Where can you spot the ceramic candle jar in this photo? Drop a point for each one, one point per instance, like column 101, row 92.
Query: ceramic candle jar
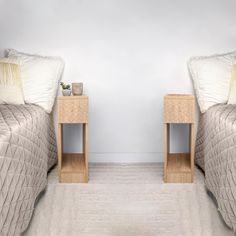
column 77, row 89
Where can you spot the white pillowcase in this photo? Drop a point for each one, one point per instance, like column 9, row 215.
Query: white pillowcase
column 211, row 78
column 40, row 77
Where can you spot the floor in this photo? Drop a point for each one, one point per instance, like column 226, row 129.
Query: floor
column 126, row 200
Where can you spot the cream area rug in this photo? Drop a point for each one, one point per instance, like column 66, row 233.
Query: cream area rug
column 126, row 200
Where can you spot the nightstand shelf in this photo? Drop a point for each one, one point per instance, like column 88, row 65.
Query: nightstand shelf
column 73, row 162
column 178, row 109
column 178, row 168
column 73, row 167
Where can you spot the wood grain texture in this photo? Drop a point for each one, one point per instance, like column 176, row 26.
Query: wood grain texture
column 192, row 148
column 72, row 109
column 178, row 162
column 73, row 168
column 166, row 148
column 179, row 168
column 73, row 162
column 179, row 108
column 60, row 147
column 85, row 149
column 73, row 177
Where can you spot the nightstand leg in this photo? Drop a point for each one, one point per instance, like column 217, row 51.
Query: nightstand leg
column 85, row 149
column 60, row 148
column 166, row 148
column 192, row 148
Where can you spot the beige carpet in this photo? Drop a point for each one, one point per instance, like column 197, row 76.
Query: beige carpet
column 126, row 200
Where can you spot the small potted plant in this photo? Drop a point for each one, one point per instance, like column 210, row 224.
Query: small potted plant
column 66, row 91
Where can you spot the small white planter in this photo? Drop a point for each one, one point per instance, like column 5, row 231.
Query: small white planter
column 66, row 92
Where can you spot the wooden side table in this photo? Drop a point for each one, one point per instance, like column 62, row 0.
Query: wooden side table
column 73, row 167
column 179, row 167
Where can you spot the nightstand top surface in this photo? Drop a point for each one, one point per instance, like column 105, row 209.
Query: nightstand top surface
column 179, row 96
column 72, row 97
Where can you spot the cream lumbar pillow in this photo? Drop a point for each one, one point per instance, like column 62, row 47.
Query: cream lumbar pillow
column 40, row 77
column 10, row 84
column 211, row 78
column 232, row 93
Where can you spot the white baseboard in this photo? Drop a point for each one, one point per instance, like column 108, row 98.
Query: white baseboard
column 126, row 157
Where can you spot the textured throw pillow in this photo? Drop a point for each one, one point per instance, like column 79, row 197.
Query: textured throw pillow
column 10, row 84
column 232, row 93
column 211, row 78
column 40, row 77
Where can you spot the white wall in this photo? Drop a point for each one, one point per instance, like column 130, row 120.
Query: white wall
column 128, row 53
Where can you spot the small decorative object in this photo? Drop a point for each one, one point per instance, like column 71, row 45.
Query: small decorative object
column 77, row 89
column 66, row 91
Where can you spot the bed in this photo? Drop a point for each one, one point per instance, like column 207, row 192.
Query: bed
column 216, row 155
column 27, row 152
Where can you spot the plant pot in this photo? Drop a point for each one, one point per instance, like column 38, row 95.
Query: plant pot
column 66, row 92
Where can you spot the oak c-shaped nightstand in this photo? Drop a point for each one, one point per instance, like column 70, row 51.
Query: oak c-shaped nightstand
column 73, row 167
column 179, row 109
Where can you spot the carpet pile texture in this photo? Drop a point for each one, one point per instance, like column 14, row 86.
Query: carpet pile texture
column 126, row 200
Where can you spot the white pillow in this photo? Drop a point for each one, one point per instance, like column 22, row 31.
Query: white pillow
column 211, row 78
column 40, row 77
column 10, row 83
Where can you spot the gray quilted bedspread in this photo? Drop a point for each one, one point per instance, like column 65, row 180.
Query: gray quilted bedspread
column 216, row 155
column 27, row 152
